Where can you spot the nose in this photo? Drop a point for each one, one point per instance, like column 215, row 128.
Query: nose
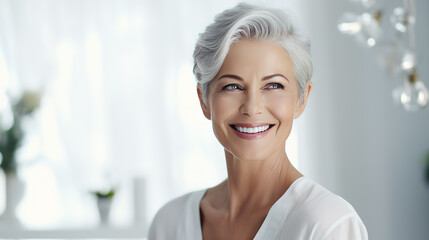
column 252, row 104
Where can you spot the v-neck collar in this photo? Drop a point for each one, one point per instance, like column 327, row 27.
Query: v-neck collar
column 270, row 223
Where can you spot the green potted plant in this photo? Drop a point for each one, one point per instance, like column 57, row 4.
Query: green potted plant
column 11, row 139
column 104, row 202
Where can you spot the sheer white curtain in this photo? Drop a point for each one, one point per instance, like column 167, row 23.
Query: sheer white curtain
column 119, row 102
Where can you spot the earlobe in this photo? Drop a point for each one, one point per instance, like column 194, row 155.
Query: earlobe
column 301, row 104
column 204, row 107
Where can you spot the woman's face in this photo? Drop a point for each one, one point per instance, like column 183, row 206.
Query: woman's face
column 253, row 100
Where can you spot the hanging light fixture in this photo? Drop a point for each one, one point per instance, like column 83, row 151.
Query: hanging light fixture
column 412, row 94
column 409, row 62
column 415, row 95
column 401, row 19
column 350, row 23
column 365, row 27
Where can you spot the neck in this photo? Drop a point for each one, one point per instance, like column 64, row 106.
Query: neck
column 257, row 184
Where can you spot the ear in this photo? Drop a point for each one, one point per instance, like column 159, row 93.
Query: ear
column 301, row 105
column 204, row 107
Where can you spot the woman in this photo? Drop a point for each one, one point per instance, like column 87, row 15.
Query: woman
column 253, row 74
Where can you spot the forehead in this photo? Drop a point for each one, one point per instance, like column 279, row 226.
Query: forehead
column 257, row 57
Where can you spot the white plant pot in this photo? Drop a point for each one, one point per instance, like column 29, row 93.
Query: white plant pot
column 15, row 189
column 104, row 205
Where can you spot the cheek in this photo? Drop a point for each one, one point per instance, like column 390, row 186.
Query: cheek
column 283, row 108
column 223, row 108
column 282, row 105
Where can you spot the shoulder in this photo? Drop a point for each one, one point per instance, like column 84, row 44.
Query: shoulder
column 323, row 213
column 316, row 202
column 166, row 221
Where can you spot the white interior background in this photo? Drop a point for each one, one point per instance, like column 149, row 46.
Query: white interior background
column 119, row 103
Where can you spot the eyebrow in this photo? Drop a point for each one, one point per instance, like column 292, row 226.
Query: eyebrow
column 263, row 79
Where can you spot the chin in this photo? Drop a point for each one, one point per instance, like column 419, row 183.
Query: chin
column 251, row 155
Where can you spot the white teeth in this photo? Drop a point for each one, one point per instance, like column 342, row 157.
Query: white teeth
column 252, row 130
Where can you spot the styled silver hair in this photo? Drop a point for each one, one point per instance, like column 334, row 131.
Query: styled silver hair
column 250, row 22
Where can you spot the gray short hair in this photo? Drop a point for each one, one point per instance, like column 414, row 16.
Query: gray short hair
column 250, row 22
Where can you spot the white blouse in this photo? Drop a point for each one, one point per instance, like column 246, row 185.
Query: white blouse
column 306, row 211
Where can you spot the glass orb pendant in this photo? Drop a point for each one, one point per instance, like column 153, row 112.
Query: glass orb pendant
column 413, row 95
column 401, row 19
column 365, row 27
column 349, row 23
column 408, row 62
column 371, row 31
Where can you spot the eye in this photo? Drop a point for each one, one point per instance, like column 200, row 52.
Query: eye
column 274, row 86
column 230, row 87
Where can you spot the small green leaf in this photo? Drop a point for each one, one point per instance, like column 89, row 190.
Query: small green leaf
column 101, row 194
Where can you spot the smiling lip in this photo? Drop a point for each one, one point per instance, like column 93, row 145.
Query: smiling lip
column 251, row 136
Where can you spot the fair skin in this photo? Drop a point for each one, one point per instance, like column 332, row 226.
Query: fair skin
column 255, row 87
